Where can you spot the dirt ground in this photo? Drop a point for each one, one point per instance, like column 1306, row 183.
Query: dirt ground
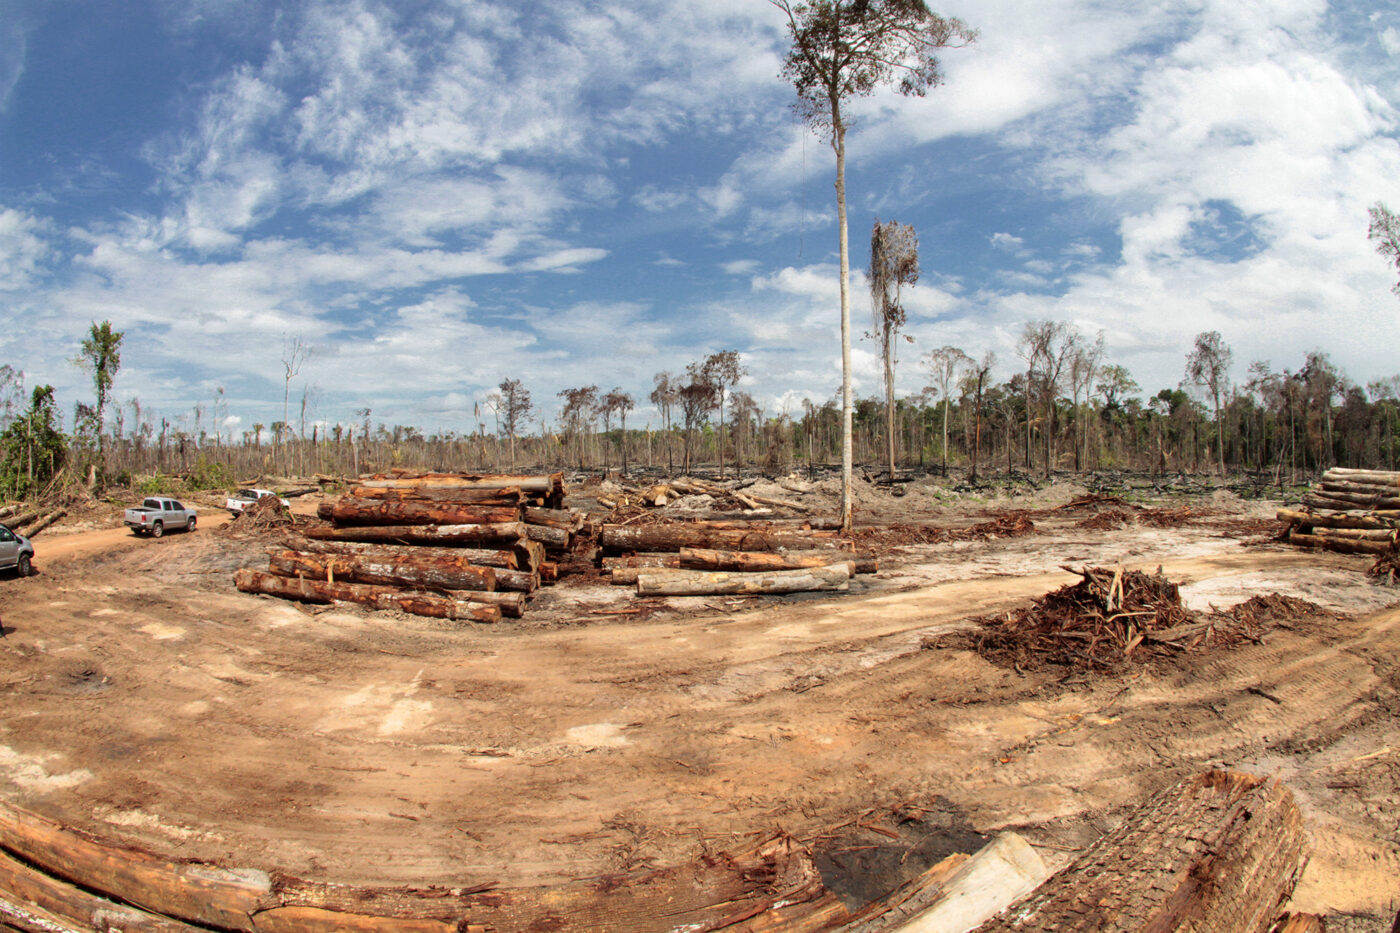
column 148, row 701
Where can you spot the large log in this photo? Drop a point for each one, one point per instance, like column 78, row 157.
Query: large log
column 508, row 533
column 511, row 604
column 536, row 484
column 1335, row 519
column 1360, row 489
column 376, row 597
column 405, row 569
column 610, row 564
column 1002, row 871
column 1325, row 498
column 703, row 583
column 29, row 897
column 477, row 557
column 351, row 511
column 1217, row 853
column 44, row 522
column 694, row 558
column 1371, row 477
column 518, row 581
column 1340, row 545
column 511, row 495
column 550, row 537
column 675, row 537
column 567, row 519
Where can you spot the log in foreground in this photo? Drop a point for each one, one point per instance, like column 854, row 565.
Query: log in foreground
column 721, row 583
column 405, row 569
column 365, row 594
column 1341, row 545
column 507, row 533
column 1338, row 519
column 1225, row 850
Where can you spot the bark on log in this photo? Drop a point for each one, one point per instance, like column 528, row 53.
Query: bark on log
column 1373, row 477
column 1351, row 500
column 675, row 537
column 1001, row 872
column 352, row 511
column 24, row 518
column 477, row 557
column 641, row 560
column 1340, row 545
column 376, row 597
column 1298, row 923
column 24, row 888
column 703, row 583
column 567, row 519
column 1217, row 853
column 1334, row 519
column 509, row 533
column 1359, row 489
column 511, row 604
column 695, row 558
column 407, row 569
column 44, row 522
column 193, row 892
column 536, row 484
column 550, row 537
column 529, row 555
column 518, row 581
column 511, row 495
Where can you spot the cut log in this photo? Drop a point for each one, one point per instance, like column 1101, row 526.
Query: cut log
column 1340, row 545
column 675, row 537
column 1002, row 871
column 567, row 519
column 511, row 495
column 296, row 491
column 44, row 522
column 518, row 581
column 1298, row 923
column 1351, row 500
column 1217, row 853
column 351, row 511
column 511, row 604
column 477, row 557
column 23, row 888
column 376, row 597
column 549, row 572
column 535, row 484
column 627, row 576
column 196, row 893
column 529, row 555
column 610, row 564
column 1335, row 519
column 24, row 518
column 703, row 583
column 695, row 558
column 508, row 533
column 407, row 569
column 555, row 538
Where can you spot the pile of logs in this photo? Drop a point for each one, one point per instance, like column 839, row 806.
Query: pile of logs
column 1351, row 511
column 29, row 522
column 729, row 558
column 447, row 545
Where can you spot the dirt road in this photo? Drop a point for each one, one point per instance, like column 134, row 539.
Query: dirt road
column 149, row 701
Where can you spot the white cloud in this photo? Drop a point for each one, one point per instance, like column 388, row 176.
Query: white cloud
column 1006, row 242
column 23, row 249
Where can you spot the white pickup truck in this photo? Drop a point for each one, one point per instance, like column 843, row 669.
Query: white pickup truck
column 243, row 498
column 156, row 516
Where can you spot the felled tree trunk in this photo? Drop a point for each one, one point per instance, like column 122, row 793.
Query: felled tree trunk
column 1217, row 853
column 675, row 537
column 477, row 557
column 512, row 495
column 351, row 511
column 1341, row 545
column 703, row 583
column 752, row 561
column 376, row 597
column 406, row 569
column 507, row 533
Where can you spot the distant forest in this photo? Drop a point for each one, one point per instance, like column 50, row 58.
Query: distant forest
column 1066, row 409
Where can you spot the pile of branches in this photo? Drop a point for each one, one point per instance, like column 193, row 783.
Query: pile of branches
column 259, row 517
column 1013, row 524
column 1112, row 617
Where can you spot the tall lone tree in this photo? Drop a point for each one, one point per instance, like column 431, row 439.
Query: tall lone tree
column 848, row 48
column 894, row 263
column 723, row 371
column 1208, row 365
column 515, row 408
column 1385, row 227
column 101, row 357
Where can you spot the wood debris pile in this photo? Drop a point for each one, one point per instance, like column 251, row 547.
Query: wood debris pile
column 1012, row 524
column 446, row 545
column 1350, row 511
column 1111, row 617
column 1111, row 512
column 742, row 557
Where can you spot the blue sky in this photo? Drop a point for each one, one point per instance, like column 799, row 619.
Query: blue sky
column 438, row 195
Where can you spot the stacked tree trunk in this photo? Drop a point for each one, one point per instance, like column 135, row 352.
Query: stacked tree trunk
column 447, row 545
column 29, row 522
column 1351, row 511
column 729, row 558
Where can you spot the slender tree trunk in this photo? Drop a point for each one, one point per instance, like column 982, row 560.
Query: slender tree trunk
column 889, row 401
column 838, row 140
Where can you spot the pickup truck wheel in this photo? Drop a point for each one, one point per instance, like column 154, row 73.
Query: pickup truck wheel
column 189, row 525
column 157, row 530
column 24, row 567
